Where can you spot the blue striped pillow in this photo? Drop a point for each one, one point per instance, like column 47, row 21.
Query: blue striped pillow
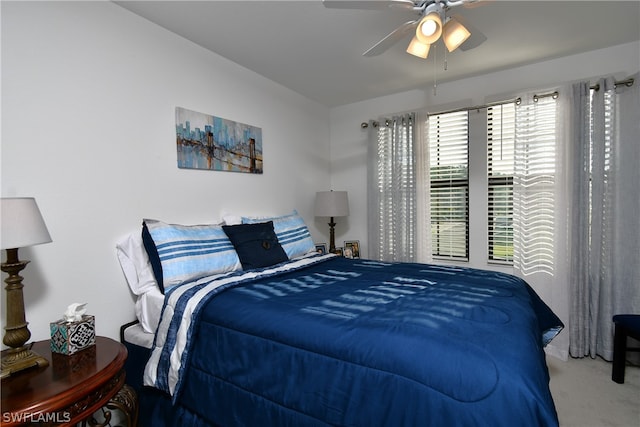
column 190, row 252
column 292, row 232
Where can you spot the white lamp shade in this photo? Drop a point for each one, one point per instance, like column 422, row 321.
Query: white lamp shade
column 416, row 48
column 429, row 29
column 21, row 223
column 332, row 203
column 454, row 34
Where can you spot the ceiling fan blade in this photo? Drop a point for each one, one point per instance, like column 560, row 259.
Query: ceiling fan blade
column 368, row 4
column 471, row 4
column 392, row 38
column 476, row 38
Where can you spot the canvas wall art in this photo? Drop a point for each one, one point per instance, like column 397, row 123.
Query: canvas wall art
column 213, row 143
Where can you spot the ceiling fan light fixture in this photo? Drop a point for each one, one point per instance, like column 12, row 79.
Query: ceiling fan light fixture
column 430, row 28
column 417, row 48
column 454, row 34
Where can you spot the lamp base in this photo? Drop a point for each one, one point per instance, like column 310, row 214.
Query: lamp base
column 332, row 236
column 21, row 358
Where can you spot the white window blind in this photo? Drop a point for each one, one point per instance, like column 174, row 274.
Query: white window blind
column 500, row 166
column 448, row 135
column 534, row 186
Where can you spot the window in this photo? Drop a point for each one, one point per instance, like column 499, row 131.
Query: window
column 521, row 152
column 500, row 165
column 448, row 135
column 519, row 190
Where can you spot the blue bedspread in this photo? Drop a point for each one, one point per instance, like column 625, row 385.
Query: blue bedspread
column 364, row 343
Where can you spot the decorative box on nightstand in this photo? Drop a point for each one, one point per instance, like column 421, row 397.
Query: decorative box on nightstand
column 70, row 337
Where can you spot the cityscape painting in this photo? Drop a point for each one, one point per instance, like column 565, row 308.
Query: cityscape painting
column 212, row 143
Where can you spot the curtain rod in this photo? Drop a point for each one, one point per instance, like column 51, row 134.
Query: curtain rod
column 628, row 83
column 553, row 95
column 479, row 107
column 365, row 125
column 375, row 123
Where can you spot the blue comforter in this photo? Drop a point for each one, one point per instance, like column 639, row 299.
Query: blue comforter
column 365, row 343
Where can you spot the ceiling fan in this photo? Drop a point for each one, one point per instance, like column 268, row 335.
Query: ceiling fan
column 432, row 23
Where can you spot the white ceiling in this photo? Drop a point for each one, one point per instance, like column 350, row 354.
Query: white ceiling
column 317, row 51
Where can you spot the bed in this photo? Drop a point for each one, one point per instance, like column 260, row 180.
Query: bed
column 312, row 339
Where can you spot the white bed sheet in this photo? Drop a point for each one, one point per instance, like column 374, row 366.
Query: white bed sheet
column 149, row 308
column 135, row 334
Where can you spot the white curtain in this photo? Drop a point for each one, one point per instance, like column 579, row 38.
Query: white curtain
column 539, row 195
column 604, row 243
column 398, row 203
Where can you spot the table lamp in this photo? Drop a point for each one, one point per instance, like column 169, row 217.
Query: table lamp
column 332, row 204
column 21, row 225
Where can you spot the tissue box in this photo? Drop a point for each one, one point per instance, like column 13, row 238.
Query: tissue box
column 71, row 337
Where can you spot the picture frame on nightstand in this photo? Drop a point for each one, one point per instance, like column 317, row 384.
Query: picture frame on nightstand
column 321, row 248
column 352, row 248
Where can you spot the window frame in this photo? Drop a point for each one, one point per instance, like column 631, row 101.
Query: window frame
column 438, row 243
column 499, row 181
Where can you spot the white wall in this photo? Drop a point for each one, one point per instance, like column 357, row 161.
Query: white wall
column 89, row 92
column 349, row 140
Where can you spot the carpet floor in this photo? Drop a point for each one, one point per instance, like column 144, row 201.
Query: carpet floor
column 585, row 395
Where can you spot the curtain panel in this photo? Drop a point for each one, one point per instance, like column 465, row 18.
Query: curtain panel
column 605, row 231
column 539, row 206
column 397, row 205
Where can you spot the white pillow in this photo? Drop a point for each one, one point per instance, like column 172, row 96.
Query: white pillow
column 135, row 264
column 232, row 219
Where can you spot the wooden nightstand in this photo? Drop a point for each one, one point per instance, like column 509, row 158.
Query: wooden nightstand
column 71, row 388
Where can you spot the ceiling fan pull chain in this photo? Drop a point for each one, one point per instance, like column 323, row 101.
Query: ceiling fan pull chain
column 445, row 50
column 435, row 71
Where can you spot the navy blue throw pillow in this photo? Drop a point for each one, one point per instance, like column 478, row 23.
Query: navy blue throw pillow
column 154, row 258
column 256, row 244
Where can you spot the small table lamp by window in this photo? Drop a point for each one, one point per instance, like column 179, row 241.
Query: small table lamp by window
column 22, row 225
column 332, row 204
